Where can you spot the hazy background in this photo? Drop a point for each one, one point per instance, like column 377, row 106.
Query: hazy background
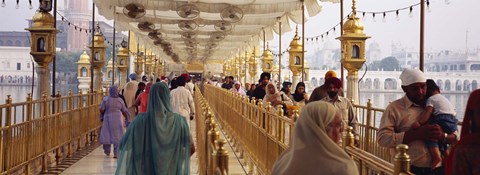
column 446, row 24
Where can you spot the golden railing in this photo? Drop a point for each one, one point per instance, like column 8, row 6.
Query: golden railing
column 212, row 155
column 40, row 130
column 262, row 134
column 368, row 124
column 370, row 164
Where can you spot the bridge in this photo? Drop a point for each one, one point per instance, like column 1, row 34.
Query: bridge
column 233, row 135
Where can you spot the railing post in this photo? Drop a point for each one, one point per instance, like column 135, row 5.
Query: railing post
column 295, row 115
column 213, row 135
column 367, row 140
column 348, row 137
column 220, row 157
column 402, row 160
column 70, row 121
column 266, row 118
column 45, row 132
column 29, row 134
column 57, row 128
column 278, row 122
column 8, row 135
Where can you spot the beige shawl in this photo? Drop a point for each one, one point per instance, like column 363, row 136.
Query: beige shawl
column 312, row 151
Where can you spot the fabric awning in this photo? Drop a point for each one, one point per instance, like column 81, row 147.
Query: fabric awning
column 207, row 42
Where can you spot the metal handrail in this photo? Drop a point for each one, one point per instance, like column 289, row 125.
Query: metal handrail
column 32, row 132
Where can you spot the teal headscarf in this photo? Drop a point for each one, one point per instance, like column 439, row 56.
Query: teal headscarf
column 156, row 142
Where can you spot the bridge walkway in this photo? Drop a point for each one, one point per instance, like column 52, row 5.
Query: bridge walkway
column 98, row 163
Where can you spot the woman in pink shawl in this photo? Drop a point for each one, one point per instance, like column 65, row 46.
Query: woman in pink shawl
column 465, row 156
column 142, row 99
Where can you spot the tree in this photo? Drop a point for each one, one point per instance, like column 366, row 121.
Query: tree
column 389, row 64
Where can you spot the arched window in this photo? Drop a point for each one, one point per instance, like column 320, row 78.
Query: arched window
column 1, row 43
column 9, row 43
column 41, row 44
column 110, row 74
column 355, row 51
column 122, row 61
column 267, row 66
column 297, row 60
column 97, row 56
column 84, row 72
column 18, row 43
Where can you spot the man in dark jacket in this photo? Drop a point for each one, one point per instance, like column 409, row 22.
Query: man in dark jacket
column 259, row 92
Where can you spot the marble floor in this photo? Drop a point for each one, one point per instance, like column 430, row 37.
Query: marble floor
column 98, row 163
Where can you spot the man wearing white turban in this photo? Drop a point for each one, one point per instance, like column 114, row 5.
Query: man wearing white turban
column 315, row 149
column 395, row 126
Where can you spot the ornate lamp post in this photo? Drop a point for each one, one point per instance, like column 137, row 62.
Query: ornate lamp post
column 353, row 52
column 295, row 58
column 252, row 67
column 83, row 74
column 43, row 37
column 138, row 62
column 98, row 58
column 267, row 61
column 109, row 78
column 122, row 63
column 148, row 66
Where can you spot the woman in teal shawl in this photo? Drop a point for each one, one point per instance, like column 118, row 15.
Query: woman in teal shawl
column 156, row 142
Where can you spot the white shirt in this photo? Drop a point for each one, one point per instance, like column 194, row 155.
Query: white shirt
column 440, row 105
column 182, row 102
column 190, row 86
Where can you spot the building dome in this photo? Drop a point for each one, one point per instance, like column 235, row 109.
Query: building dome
column 84, row 58
column 295, row 44
column 353, row 25
column 42, row 20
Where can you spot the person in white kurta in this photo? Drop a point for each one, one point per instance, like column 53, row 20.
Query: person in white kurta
column 129, row 91
column 182, row 100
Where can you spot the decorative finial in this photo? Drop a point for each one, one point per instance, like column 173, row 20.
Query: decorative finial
column 98, row 28
column 296, row 30
column 354, row 11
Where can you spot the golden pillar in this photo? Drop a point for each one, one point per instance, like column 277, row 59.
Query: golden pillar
column 148, row 66
column 83, row 73
column 295, row 58
column 267, row 61
column 353, row 52
column 252, row 62
column 122, row 64
column 98, row 55
column 43, row 37
column 109, row 78
column 138, row 62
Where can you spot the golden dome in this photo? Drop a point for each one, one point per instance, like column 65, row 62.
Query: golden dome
column 295, row 44
column 122, row 52
column 42, row 20
column 353, row 25
column 267, row 54
column 276, row 67
column 84, row 58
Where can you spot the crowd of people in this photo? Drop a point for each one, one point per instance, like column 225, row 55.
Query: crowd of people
column 158, row 139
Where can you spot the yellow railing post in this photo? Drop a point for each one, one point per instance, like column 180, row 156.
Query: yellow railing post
column 8, row 135
column 29, row 134
column 295, row 115
column 368, row 127
column 70, row 121
column 213, row 135
column 220, row 157
column 45, row 132
column 278, row 122
column 348, row 137
column 57, row 128
column 402, row 160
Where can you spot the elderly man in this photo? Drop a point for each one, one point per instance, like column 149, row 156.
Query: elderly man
column 332, row 86
column 395, row 127
column 321, row 91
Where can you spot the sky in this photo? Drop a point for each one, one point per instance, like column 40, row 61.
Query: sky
column 446, row 24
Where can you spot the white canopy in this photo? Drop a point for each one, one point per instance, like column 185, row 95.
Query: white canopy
column 222, row 29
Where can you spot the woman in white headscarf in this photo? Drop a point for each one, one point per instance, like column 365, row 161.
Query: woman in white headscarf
column 275, row 97
column 315, row 149
column 237, row 88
